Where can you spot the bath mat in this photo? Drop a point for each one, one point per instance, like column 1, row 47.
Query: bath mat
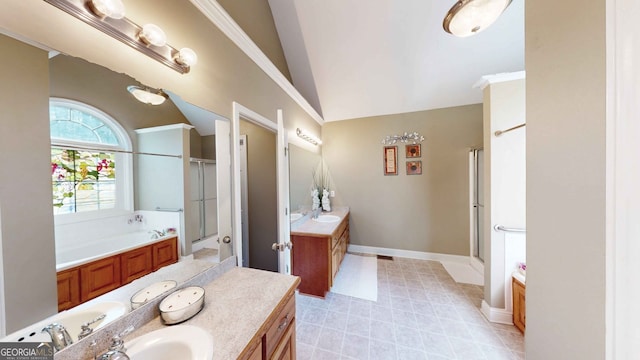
column 463, row 273
column 357, row 277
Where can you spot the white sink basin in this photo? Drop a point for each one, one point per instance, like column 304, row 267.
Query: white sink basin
column 327, row 218
column 295, row 216
column 71, row 320
column 184, row 342
column 74, row 318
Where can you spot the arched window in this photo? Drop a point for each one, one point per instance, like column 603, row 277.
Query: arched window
column 90, row 159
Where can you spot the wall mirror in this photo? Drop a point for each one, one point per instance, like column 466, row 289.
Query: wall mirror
column 87, row 83
column 303, row 163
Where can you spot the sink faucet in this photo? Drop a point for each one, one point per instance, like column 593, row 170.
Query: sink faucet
column 156, row 234
column 59, row 336
column 316, row 213
column 86, row 330
column 117, row 350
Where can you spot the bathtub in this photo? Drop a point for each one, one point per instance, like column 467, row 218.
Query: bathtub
column 89, row 251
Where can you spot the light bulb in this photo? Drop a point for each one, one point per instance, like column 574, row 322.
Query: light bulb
column 148, row 97
column 153, row 35
column 467, row 18
column 107, row 8
column 186, row 57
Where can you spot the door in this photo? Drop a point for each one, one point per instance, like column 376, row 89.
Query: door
column 223, row 179
column 284, row 225
column 244, row 207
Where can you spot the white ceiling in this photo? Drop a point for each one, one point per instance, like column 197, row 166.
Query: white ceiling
column 355, row 58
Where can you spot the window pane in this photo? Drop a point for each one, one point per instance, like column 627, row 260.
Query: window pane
column 106, row 136
column 72, row 131
column 82, row 180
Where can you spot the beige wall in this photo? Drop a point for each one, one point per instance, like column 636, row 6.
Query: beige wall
column 255, row 19
column 427, row 213
column 28, row 261
column 262, row 195
column 566, row 168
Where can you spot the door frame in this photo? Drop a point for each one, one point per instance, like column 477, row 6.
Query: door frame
column 242, row 112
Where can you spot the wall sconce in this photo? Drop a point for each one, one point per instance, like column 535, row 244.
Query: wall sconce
column 108, row 17
column 147, row 95
column 407, row 137
column 469, row 17
column 303, row 134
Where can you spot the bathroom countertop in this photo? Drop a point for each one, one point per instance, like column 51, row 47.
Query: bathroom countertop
column 237, row 305
column 309, row 227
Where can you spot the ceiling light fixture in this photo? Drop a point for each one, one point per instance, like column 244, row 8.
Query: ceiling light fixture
column 469, row 17
column 108, row 17
column 303, row 134
column 148, row 95
column 413, row 137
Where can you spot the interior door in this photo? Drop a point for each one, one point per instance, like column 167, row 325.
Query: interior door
column 284, row 225
column 223, row 179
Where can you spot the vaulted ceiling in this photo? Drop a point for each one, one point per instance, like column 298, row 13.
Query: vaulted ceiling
column 354, row 58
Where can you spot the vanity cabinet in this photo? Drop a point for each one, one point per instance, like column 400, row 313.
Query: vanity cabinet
column 278, row 341
column 519, row 308
column 316, row 258
column 85, row 282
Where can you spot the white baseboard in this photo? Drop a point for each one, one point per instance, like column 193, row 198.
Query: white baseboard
column 408, row 254
column 496, row 315
column 476, row 264
column 210, row 243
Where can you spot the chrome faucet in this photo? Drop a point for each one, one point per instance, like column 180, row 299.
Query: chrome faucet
column 86, row 330
column 59, row 336
column 156, row 234
column 117, row 350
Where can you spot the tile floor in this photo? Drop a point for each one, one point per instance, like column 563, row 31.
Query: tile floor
column 421, row 313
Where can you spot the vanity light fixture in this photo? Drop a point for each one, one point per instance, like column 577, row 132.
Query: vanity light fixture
column 108, row 17
column 303, row 134
column 413, row 138
column 148, row 95
column 469, row 17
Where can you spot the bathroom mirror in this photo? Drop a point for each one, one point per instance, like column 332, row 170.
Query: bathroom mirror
column 76, row 79
column 302, row 165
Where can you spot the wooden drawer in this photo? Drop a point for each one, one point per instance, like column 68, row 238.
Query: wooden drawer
column 279, row 328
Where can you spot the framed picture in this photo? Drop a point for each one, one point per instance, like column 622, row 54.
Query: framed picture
column 391, row 160
column 413, row 151
column 414, row 167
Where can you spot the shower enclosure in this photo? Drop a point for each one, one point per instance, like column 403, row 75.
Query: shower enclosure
column 203, row 201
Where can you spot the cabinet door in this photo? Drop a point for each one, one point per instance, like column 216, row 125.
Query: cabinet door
column 136, row 263
column 165, row 253
column 336, row 257
column 519, row 307
column 286, row 349
column 99, row 277
column 68, row 289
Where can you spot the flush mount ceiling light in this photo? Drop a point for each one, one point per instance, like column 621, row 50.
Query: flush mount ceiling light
column 147, row 95
column 469, row 17
column 108, row 17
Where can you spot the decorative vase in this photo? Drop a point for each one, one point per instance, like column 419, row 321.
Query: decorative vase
column 315, row 199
